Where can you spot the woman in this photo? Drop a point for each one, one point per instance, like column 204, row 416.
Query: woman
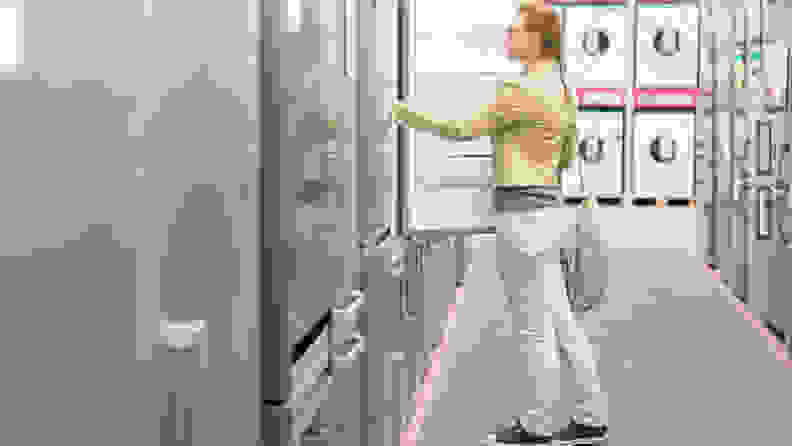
column 532, row 125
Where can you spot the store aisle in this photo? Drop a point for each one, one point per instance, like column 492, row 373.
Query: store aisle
column 678, row 361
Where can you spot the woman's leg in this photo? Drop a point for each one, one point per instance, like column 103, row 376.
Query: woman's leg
column 472, row 379
column 529, row 265
column 480, row 374
column 576, row 344
column 592, row 408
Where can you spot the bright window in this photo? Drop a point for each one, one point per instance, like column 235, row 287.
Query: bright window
column 11, row 34
column 462, row 36
column 8, row 36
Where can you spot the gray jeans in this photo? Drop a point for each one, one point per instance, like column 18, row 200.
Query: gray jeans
column 531, row 234
column 500, row 357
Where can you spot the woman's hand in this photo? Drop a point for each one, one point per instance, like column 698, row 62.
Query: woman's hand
column 459, row 130
column 398, row 110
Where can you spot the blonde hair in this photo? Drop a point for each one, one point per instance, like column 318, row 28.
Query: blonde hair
column 546, row 22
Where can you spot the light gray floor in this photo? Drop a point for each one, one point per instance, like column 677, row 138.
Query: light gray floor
column 677, row 360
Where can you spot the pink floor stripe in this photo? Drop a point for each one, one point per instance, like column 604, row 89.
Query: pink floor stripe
column 410, row 437
column 779, row 348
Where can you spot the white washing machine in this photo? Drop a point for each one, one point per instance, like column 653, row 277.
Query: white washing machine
column 597, row 170
column 663, row 155
column 667, row 46
column 597, row 45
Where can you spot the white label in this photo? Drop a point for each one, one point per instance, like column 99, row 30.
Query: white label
column 602, row 98
column 665, row 99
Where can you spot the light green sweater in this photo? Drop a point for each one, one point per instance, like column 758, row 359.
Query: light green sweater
column 520, row 171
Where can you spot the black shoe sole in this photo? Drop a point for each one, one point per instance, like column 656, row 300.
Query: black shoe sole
column 523, row 442
column 583, row 441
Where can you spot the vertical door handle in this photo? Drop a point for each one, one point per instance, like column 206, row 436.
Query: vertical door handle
column 764, row 203
column 764, row 141
column 404, row 40
column 405, row 31
column 414, row 254
column 420, row 253
column 402, row 179
column 350, row 38
column 404, row 296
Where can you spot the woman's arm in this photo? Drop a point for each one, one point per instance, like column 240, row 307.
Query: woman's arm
column 568, row 134
column 484, row 123
column 510, row 108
